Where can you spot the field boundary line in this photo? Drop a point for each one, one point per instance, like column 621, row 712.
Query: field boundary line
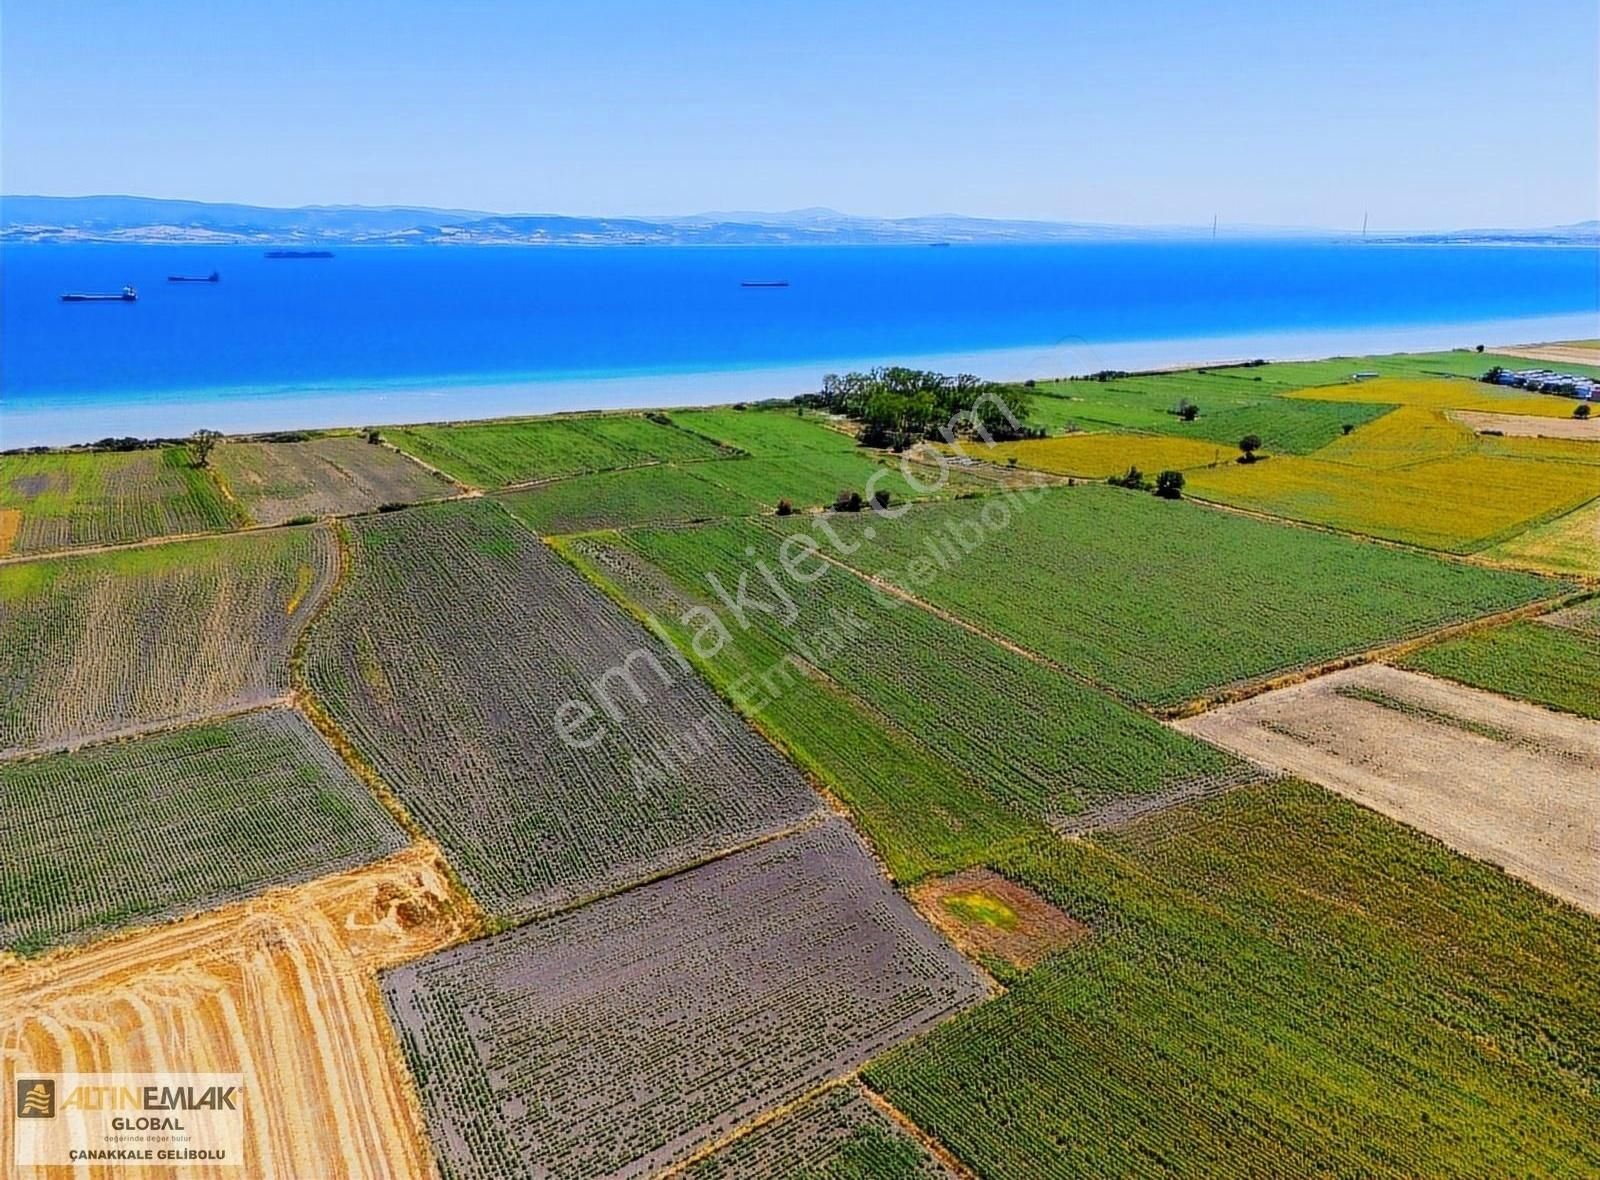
column 904, row 1121
column 465, row 489
column 1244, row 690
column 765, row 1119
column 128, row 733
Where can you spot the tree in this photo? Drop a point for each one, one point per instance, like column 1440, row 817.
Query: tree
column 1581, row 410
column 1133, row 478
column 880, row 499
column 374, row 436
column 847, row 501
column 1169, row 485
column 1347, row 427
column 785, row 508
column 1250, row 444
column 200, row 444
column 1187, row 410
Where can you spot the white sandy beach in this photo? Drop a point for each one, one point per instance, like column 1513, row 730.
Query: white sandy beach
column 179, row 413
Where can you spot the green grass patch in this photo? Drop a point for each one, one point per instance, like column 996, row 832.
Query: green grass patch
column 661, row 494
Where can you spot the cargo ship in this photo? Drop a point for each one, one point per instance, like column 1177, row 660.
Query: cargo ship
column 299, row 254
column 213, row 277
column 128, row 295
column 765, row 283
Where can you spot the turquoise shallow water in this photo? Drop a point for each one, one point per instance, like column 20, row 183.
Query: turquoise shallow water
column 384, row 333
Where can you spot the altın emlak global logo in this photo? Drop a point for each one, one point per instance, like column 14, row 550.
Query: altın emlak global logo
column 175, row 1119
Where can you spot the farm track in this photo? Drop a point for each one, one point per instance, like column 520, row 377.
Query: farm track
column 129, row 732
column 280, row 988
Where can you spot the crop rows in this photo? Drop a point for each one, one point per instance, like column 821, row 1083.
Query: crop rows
column 446, row 657
column 1569, row 544
column 615, row 1039
column 494, row 454
column 120, row 639
column 1164, row 601
column 1021, row 733
column 1279, row 983
column 335, row 475
column 64, row 499
column 660, row 494
column 175, row 822
column 766, row 433
column 837, row 1135
column 1555, row 666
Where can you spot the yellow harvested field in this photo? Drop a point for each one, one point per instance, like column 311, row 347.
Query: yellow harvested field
column 1441, row 394
column 1532, row 426
column 1401, row 438
column 1416, row 476
column 280, row 989
column 1569, row 544
column 10, row 526
column 1460, row 505
column 1097, row 456
column 1569, row 352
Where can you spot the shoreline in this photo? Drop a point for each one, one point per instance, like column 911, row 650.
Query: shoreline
column 174, row 414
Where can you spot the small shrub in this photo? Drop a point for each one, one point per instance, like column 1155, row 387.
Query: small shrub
column 374, row 437
column 1347, row 427
column 1187, row 410
column 303, row 518
column 847, row 501
column 1169, row 485
column 880, row 499
column 785, row 508
column 1132, row 478
column 1581, row 410
column 393, row 506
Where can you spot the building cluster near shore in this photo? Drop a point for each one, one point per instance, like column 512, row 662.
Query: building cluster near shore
column 1546, row 381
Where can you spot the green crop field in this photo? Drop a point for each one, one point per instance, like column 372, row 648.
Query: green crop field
column 1007, row 737
column 1165, row 601
column 765, row 432
column 814, row 479
column 660, row 494
column 63, row 499
column 134, row 831
column 1278, row 983
column 495, row 454
column 105, row 641
column 1535, row 661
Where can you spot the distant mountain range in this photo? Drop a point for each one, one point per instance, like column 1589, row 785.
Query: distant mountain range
column 148, row 219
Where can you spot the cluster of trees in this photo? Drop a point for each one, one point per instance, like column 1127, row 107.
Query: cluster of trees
column 898, row 406
column 1168, row 484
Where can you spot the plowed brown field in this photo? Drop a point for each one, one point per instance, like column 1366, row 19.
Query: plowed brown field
column 279, row 989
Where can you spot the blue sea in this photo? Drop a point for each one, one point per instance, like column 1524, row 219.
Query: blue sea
column 387, row 334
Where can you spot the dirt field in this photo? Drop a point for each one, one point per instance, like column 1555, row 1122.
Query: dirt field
column 1577, row 352
column 1508, row 782
column 983, row 913
column 1531, row 426
column 279, row 989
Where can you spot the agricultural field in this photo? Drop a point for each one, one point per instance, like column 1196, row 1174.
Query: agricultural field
column 1568, row 544
column 619, row 1038
column 108, row 642
column 1494, row 778
column 766, row 433
column 133, row 832
column 838, row 1135
column 1004, row 743
column 498, row 454
column 1232, row 403
column 1533, row 660
column 1531, row 426
column 1279, row 983
column 329, row 476
column 661, row 494
column 67, row 499
column 1162, row 602
column 280, row 989
column 1096, row 456
column 1443, row 395
column 454, row 644
column 993, row 919
column 809, row 481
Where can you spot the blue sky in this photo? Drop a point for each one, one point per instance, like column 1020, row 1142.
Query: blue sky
column 1424, row 114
